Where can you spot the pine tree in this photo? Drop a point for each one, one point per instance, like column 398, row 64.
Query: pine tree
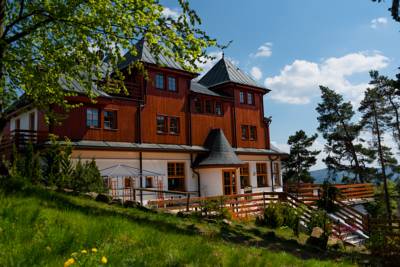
column 391, row 95
column 376, row 118
column 335, row 124
column 301, row 158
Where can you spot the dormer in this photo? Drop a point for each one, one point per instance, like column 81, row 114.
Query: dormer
column 224, row 77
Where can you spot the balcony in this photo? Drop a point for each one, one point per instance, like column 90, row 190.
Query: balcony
column 20, row 139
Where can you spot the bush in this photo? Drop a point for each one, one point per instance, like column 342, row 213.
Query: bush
column 281, row 214
column 214, row 209
column 86, row 178
column 329, row 194
column 319, row 218
column 103, row 198
column 273, row 216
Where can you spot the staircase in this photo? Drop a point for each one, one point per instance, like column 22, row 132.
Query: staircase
column 349, row 225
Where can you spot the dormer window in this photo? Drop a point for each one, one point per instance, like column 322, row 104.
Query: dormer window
column 197, row 106
column 160, row 81
column 92, row 118
column 218, row 109
column 172, row 84
column 208, row 108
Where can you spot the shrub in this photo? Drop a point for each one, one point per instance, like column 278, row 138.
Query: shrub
column 86, row 178
column 273, row 216
column 214, row 208
column 319, row 218
column 103, row 198
column 327, row 200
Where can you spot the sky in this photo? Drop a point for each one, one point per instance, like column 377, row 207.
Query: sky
column 293, row 46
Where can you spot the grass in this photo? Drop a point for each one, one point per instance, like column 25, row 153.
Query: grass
column 41, row 228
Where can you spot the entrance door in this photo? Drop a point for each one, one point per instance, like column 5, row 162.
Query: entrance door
column 229, row 182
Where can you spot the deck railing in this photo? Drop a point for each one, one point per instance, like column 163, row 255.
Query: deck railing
column 20, row 139
column 310, row 193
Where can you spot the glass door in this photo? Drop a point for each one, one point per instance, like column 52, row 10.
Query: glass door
column 229, row 182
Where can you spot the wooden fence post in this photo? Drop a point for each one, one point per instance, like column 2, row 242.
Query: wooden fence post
column 187, row 202
column 264, row 199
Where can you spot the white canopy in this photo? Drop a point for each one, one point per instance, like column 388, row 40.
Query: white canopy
column 126, row 170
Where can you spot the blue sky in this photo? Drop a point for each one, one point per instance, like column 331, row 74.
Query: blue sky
column 292, row 46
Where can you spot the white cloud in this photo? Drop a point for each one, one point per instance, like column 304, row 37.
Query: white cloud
column 265, row 50
column 299, row 82
column 170, row 13
column 375, row 23
column 256, row 73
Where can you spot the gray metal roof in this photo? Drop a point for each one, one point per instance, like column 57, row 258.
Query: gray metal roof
column 144, row 54
column 201, row 89
column 126, row 170
column 221, row 153
column 225, row 71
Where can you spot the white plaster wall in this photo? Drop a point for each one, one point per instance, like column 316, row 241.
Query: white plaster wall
column 155, row 162
column 24, row 120
column 211, row 182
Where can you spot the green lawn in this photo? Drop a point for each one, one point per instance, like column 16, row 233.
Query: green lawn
column 40, row 228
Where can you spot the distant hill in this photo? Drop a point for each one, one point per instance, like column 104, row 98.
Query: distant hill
column 321, row 175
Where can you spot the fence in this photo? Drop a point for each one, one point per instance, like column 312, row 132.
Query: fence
column 310, row 193
column 20, row 139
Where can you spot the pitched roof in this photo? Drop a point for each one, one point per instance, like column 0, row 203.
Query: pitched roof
column 221, row 153
column 201, row 89
column 225, row 71
column 144, row 54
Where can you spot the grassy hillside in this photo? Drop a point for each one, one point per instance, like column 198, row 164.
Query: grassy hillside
column 39, row 228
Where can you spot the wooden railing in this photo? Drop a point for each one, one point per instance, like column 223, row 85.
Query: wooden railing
column 20, row 139
column 310, row 193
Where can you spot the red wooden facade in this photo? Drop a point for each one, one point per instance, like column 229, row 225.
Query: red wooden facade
column 188, row 115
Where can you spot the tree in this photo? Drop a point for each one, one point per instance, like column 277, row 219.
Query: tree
column 376, row 118
column 301, row 158
column 335, row 124
column 43, row 42
column 391, row 99
column 394, row 9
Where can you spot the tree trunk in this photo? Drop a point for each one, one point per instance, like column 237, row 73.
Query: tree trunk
column 397, row 118
column 382, row 162
column 352, row 150
column 2, row 78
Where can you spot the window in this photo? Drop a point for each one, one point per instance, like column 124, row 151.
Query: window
column 208, row 108
column 253, row 133
column 176, row 176
column 128, row 182
column 172, row 84
column 244, row 176
column 197, row 106
column 262, row 175
column 173, row 125
column 159, row 81
column 241, row 97
column 245, row 132
column 218, row 108
column 149, row 182
column 110, row 119
column 32, row 121
column 276, row 174
column 92, row 118
column 162, row 124
column 250, row 99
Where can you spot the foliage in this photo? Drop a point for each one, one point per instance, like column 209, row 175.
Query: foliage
column 86, row 177
column 57, row 163
column 384, row 243
column 344, row 152
column 301, row 158
column 319, row 218
column 329, row 194
column 215, row 208
column 375, row 118
column 377, row 208
column 281, row 214
column 45, row 42
column 394, row 9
